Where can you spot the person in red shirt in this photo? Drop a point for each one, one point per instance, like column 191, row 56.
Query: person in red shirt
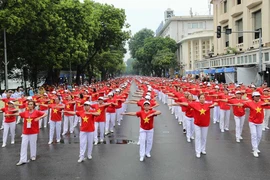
column 255, row 119
column 201, row 112
column 9, row 122
column 42, row 102
column 146, row 128
column 87, row 130
column 30, row 132
column 55, row 120
column 79, row 107
column 110, row 114
column 239, row 114
column 266, row 98
column 21, row 101
column 68, row 118
column 224, row 110
column 119, row 99
column 100, row 120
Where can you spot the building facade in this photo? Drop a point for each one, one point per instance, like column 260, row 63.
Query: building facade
column 240, row 50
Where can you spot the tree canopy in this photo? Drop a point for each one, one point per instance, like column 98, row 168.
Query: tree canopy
column 51, row 35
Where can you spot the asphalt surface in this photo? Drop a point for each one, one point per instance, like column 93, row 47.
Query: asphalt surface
column 118, row 159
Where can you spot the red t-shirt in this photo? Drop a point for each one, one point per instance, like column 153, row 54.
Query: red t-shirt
column 146, row 123
column 56, row 113
column 238, row 111
column 6, row 100
column 42, row 101
column 30, row 118
column 79, row 104
column 110, row 108
column 101, row 110
column 256, row 111
column 22, row 101
column 87, row 122
column 9, row 119
column 68, row 107
column 224, row 105
column 201, row 113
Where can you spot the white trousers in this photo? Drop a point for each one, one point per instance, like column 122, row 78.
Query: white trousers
column 184, row 120
column 200, row 138
column 71, row 126
column 190, row 127
column 146, row 141
column 18, row 117
column 86, row 140
column 224, row 119
column 101, row 127
column 266, row 118
column 8, row 126
column 180, row 114
column 76, row 120
column 176, row 111
column 32, row 139
column 256, row 134
column 118, row 114
column 44, row 119
column 216, row 114
column 239, row 123
column 110, row 121
column 55, row 125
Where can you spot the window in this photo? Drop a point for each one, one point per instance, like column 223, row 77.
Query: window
column 257, row 17
column 225, row 6
column 254, row 58
column 239, row 26
column 194, row 25
column 266, row 56
column 238, row 2
column 189, row 26
column 226, row 37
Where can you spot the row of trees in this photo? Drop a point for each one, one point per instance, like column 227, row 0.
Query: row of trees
column 151, row 55
column 52, row 35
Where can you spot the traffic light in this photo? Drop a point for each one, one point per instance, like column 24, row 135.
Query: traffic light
column 218, row 31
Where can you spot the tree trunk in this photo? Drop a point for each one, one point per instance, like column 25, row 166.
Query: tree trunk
column 78, row 73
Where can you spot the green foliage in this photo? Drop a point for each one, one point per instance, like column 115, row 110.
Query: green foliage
column 51, row 34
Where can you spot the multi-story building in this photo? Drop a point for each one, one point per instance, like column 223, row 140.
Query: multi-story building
column 192, row 34
column 240, row 50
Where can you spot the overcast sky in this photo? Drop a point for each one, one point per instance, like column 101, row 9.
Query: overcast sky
column 149, row 13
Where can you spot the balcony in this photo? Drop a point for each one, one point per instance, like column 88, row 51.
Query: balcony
column 253, row 3
column 237, row 10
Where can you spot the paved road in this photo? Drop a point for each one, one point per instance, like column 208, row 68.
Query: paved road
column 172, row 157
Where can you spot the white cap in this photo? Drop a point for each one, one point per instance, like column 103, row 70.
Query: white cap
column 237, row 86
column 252, row 86
column 45, row 94
column 117, row 90
column 256, row 94
column 201, row 84
column 217, row 87
column 66, row 90
column 241, row 83
column 238, row 92
column 204, row 82
column 147, row 97
column 100, row 98
column 148, row 93
column 87, row 103
column 10, row 102
column 146, row 102
column 54, row 92
column 110, row 94
column 29, row 98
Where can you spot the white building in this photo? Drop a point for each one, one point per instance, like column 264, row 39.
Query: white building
column 240, row 50
column 193, row 34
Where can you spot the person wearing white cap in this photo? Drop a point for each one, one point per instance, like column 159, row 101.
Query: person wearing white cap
column 100, row 120
column 21, row 102
column 68, row 118
column 216, row 114
column 86, row 130
column 224, row 110
column 43, row 106
column 146, row 128
column 119, row 99
column 9, row 122
column 256, row 117
column 239, row 114
column 266, row 98
column 110, row 114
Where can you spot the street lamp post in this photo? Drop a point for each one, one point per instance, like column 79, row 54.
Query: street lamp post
column 5, row 63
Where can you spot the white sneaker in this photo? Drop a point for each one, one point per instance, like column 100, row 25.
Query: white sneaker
column 138, row 143
column 188, row 140
column 198, row 155
column 119, row 124
column 20, row 163
column 63, row 134
column 263, row 129
column 192, row 137
column 258, row 151
column 148, row 155
column 102, row 140
column 58, row 141
column 2, row 127
column 71, row 132
column 12, row 142
column 226, row 129
column 111, row 131
column 204, row 152
column 215, row 122
column 33, row 158
column 222, row 130
column 50, row 142
column 106, row 133
column 4, row 145
column 80, row 160
column 255, row 154
column 238, row 140
column 180, row 123
column 141, row 159
column 96, row 143
column 241, row 137
column 89, row 157
column 267, row 127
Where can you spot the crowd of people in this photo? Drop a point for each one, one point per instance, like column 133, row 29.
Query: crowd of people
column 99, row 107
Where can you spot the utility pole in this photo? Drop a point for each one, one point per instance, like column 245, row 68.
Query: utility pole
column 5, row 63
